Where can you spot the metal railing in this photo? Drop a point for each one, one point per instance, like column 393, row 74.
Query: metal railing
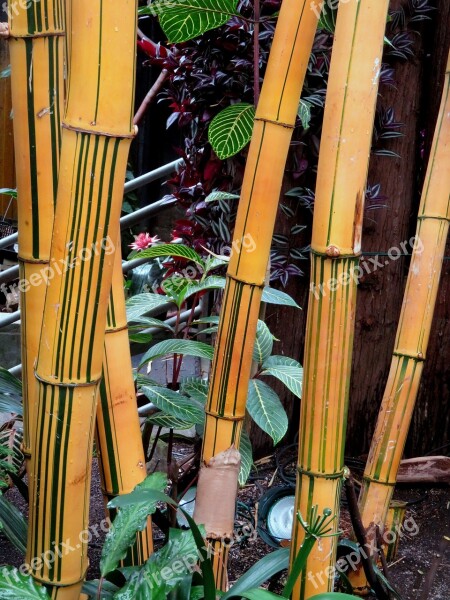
column 12, row 273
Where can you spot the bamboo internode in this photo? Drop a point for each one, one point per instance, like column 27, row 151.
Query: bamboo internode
column 336, row 245
column 97, row 132
column 413, row 331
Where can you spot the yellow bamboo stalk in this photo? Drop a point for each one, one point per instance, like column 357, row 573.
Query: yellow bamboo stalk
column 336, row 246
column 97, row 131
column 413, row 331
column 275, row 119
column 118, row 433
column 7, row 174
column 36, row 50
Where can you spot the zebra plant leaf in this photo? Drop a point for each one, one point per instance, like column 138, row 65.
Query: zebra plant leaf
column 217, row 196
column 180, row 347
column 265, row 408
column 10, row 393
column 245, row 448
column 231, row 130
column 143, row 303
column 175, row 405
column 263, row 343
column 169, row 250
column 14, row 585
column 278, row 361
column 13, row 526
column 186, row 19
column 127, row 522
column 292, row 377
column 272, row 296
column 164, row 420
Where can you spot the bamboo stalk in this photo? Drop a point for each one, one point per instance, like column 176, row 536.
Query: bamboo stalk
column 413, row 331
column 275, row 119
column 118, row 434
column 336, row 246
column 7, row 173
column 97, row 132
column 36, row 50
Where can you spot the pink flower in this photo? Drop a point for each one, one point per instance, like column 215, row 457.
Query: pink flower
column 143, row 241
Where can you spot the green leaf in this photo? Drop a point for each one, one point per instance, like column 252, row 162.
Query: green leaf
column 6, row 72
column 218, row 196
column 213, row 282
column 176, row 405
column 8, row 192
column 263, row 343
column 304, row 113
column 91, row 588
column 265, row 408
column 14, row 525
column 263, row 570
column 140, row 338
column 231, row 130
column 151, row 322
column 279, row 361
column 187, row 19
column 172, row 250
column 272, row 296
column 15, row 586
column 245, row 448
column 181, row 347
column 260, row 594
column 127, row 522
column 176, row 288
column 196, row 388
column 143, row 303
column 164, row 570
column 292, row 377
column 164, row 420
column 328, row 17
column 10, row 393
column 11, row 438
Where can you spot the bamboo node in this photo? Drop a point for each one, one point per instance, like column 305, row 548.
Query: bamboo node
column 333, row 252
column 313, row 474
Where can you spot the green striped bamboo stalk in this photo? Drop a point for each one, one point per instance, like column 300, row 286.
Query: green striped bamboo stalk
column 97, row 131
column 336, row 246
column 118, row 433
column 36, row 49
column 413, row 331
column 7, row 174
column 275, row 119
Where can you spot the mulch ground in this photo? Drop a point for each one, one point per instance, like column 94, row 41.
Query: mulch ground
column 423, row 559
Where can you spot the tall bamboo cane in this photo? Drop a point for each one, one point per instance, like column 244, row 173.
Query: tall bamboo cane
column 118, row 433
column 36, row 49
column 413, row 331
column 97, row 131
column 275, row 119
column 7, row 174
column 336, row 245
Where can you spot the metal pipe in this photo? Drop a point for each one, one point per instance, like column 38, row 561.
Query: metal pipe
column 9, row 318
column 129, row 186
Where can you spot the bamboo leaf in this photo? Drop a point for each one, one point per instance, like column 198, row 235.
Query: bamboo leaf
column 263, row 343
column 143, row 303
column 170, row 250
column 279, row 361
column 231, row 130
column 127, row 522
column 218, row 196
column 245, row 448
column 263, row 570
column 265, row 408
column 176, row 405
column 14, row 526
column 187, row 19
column 180, row 347
column 16, row 586
column 272, row 296
column 148, row 583
column 292, row 377
column 164, row 420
